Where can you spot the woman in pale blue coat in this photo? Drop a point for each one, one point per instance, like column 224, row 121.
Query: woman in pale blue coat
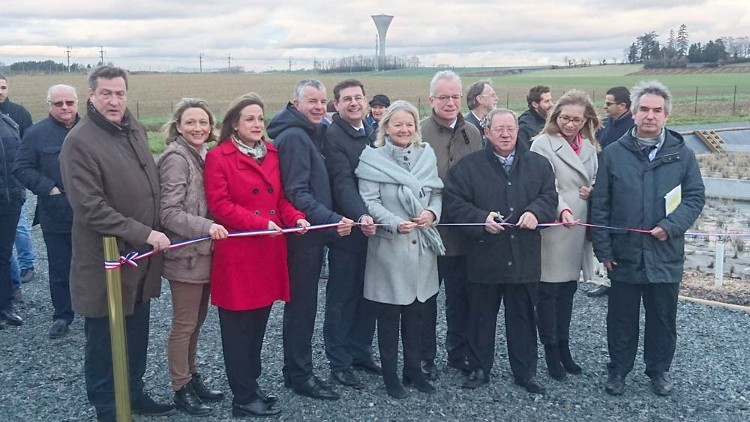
column 399, row 183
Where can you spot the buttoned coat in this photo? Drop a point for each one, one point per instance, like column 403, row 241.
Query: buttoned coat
column 450, row 146
column 566, row 252
column 244, row 195
column 113, row 187
column 399, row 270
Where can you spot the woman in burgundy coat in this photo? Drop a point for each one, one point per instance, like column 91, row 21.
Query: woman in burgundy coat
column 249, row 273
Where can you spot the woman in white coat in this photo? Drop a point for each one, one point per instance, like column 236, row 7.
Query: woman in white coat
column 399, row 184
column 568, row 142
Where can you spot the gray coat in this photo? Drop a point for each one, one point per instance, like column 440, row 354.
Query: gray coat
column 184, row 213
column 565, row 252
column 400, row 267
column 113, row 187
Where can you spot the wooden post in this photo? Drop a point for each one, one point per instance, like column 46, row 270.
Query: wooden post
column 719, row 264
column 117, row 332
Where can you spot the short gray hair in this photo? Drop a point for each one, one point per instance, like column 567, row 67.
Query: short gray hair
column 443, row 74
column 107, row 72
column 301, row 85
column 399, row 105
column 487, row 121
column 650, row 87
column 60, row 87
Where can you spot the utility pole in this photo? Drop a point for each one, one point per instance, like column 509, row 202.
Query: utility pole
column 67, row 52
column 200, row 62
column 290, row 65
column 101, row 54
column 229, row 63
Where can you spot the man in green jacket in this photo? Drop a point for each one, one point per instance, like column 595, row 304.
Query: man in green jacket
column 648, row 179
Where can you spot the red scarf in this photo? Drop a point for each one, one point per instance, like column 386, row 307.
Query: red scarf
column 576, row 144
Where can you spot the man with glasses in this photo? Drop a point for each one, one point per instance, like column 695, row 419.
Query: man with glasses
column 112, row 184
column 504, row 183
column 531, row 121
column 37, row 168
column 648, row 179
column 22, row 264
column 349, row 319
column 452, row 139
column 481, row 99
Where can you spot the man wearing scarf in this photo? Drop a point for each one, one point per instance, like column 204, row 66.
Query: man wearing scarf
column 113, row 187
column 648, row 179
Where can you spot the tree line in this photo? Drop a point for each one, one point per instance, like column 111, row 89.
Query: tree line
column 678, row 51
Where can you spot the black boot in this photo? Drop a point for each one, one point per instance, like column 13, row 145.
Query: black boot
column 188, row 401
column 419, row 381
column 552, row 356
column 204, row 392
column 566, row 359
column 393, row 386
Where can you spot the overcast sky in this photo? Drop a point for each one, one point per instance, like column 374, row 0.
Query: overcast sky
column 265, row 34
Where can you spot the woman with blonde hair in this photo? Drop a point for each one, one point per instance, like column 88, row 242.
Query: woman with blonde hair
column 567, row 141
column 184, row 215
column 399, row 183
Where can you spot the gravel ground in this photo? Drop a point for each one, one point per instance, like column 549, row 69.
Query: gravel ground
column 43, row 380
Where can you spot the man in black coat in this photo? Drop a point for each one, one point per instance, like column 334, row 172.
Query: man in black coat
column 37, row 168
column 350, row 319
column 531, row 121
column 298, row 134
column 648, row 179
column 503, row 183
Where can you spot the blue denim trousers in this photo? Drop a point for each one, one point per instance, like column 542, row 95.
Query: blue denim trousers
column 24, row 247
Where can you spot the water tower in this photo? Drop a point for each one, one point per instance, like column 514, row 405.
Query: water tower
column 382, row 22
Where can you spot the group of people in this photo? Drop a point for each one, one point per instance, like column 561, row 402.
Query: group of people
column 492, row 209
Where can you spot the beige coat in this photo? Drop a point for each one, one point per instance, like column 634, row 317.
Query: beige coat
column 113, row 186
column 566, row 252
column 450, row 146
column 184, row 213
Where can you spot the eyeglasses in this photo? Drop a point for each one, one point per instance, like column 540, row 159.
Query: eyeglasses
column 501, row 129
column 356, row 98
column 60, row 104
column 493, row 95
column 607, row 103
column 445, row 98
column 566, row 119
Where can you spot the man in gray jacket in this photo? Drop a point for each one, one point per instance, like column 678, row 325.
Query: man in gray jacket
column 648, row 179
column 448, row 134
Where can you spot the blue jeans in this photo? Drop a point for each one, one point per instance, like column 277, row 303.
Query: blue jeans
column 24, row 247
column 8, row 220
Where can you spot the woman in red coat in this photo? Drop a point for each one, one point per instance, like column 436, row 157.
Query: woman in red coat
column 248, row 274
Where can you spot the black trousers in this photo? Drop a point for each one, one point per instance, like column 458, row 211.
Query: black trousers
column 242, row 335
column 409, row 319
column 305, row 260
column 9, row 214
column 554, row 309
column 451, row 271
column 520, row 326
column 98, row 357
column 350, row 319
column 660, row 333
column 59, row 254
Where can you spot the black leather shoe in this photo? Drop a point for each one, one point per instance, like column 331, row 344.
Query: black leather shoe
column 615, row 385
column 346, row 377
column 267, row 398
column 203, row 391
column 59, row 329
column 661, row 385
column 316, row 389
column 368, row 366
column 188, row 401
column 256, row 408
column 476, row 379
column 419, row 382
column 10, row 317
column 531, row 385
column 462, row 364
column 599, row 291
column 148, row 407
column 429, row 370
